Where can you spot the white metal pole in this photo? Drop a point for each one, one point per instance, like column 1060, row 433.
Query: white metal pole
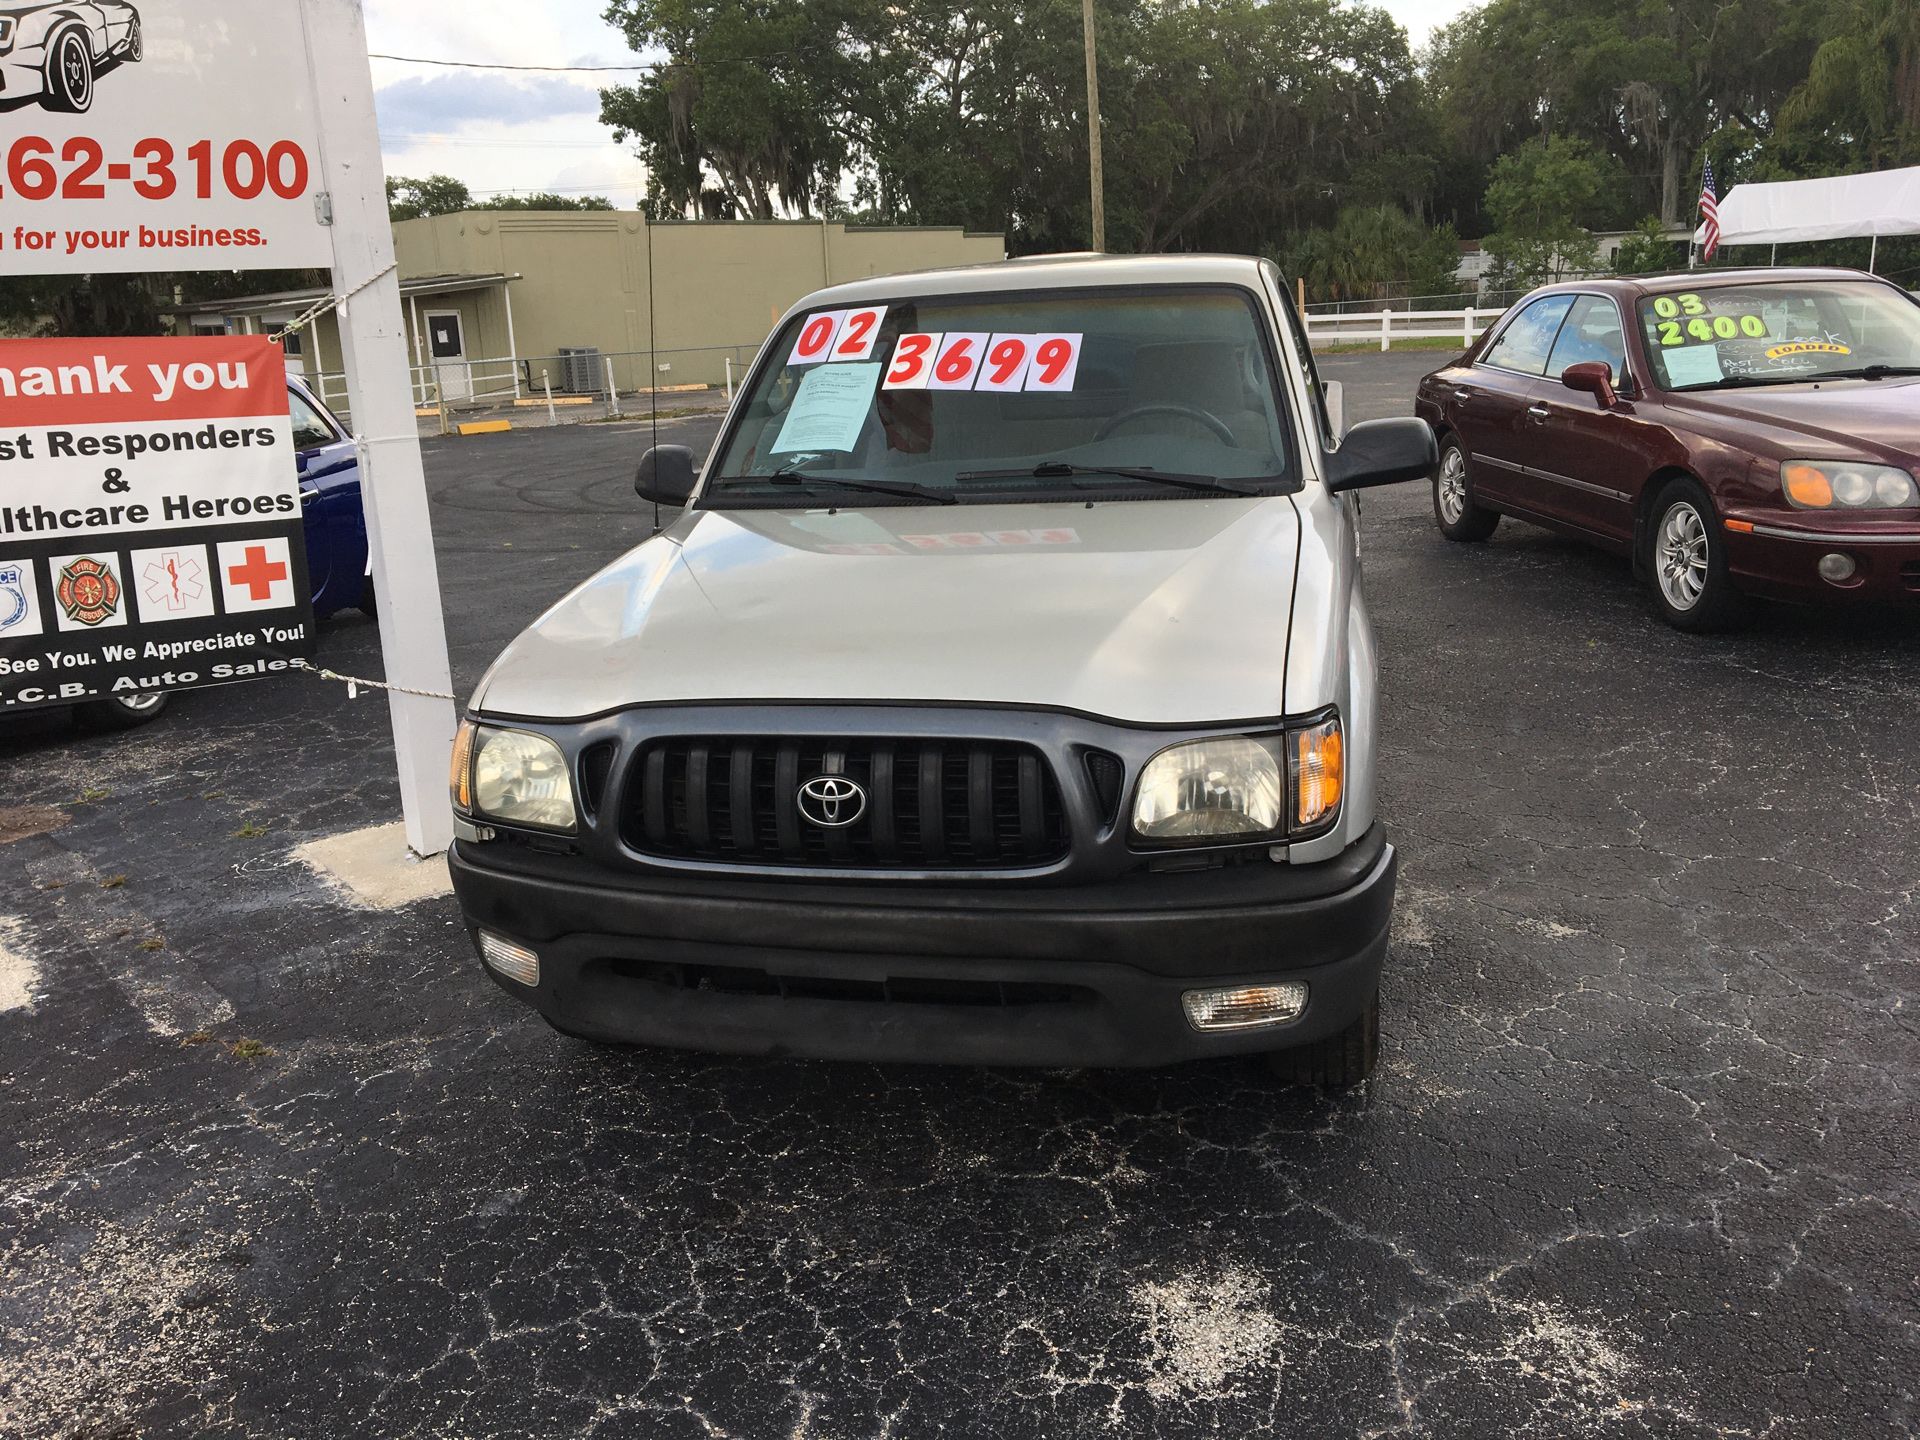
column 1466, row 330
column 1386, row 329
column 729, row 379
column 546, row 384
column 613, row 390
column 393, row 482
column 1873, row 254
column 513, row 348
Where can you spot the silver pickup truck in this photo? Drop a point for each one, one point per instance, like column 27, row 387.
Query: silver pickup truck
column 1004, row 694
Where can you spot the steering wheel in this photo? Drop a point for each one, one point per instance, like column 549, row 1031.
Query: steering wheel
column 1186, row 412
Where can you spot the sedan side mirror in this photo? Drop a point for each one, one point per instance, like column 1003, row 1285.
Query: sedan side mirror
column 1383, row 452
column 666, row 475
column 1592, row 377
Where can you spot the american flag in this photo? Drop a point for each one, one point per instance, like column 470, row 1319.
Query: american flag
column 1709, row 212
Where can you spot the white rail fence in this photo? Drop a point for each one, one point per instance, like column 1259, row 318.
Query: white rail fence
column 1386, row 326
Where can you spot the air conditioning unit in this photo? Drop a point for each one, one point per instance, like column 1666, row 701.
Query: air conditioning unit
column 581, row 372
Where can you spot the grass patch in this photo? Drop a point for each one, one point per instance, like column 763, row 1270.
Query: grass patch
column 91, row 795
column 246, row 1049
column 153, row 942
column 113, row 882
column 249, row 831
column 1361, row 347
column 199, row 1037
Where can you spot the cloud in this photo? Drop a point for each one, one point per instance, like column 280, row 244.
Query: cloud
column 433, row 105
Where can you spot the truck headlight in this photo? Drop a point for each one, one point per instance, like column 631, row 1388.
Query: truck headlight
column 1211, row 789
column 515, row 777
column 1847, row 485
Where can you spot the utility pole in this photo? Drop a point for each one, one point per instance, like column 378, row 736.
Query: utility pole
column 1093, row 133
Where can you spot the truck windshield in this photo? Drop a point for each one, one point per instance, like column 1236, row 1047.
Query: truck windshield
column 1779, row 333
column 1165, row 392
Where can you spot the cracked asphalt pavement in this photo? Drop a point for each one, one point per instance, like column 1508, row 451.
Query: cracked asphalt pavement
column 1640, row 1161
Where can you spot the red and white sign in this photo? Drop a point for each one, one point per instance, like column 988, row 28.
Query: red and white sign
column 969, row 360
column 148, row 488
column 858, row 331
column 256, row 574
column 912, row 362
column 150, row 136
column 958, row 361
column 815, row 342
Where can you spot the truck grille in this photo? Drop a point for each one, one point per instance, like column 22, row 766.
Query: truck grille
column 929, row 804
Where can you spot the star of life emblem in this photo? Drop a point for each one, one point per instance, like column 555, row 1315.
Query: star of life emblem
column 173, row 581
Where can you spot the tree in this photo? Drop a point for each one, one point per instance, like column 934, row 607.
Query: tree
column 1541, row 198
column 1859, row 106
column 409, row 199
column 1648, row 251
column 544, row 200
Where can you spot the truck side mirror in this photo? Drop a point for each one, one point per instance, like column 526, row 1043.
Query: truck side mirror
column 666, row 475
column 1592, row 377
column 1383, row 452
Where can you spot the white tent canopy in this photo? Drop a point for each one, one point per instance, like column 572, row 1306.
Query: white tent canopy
column 1886, row 202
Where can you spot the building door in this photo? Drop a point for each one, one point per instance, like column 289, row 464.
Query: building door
column 447, row 353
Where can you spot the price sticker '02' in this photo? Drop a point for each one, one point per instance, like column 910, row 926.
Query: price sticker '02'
column 858, row 331
column 817, row 338
column 912, row 361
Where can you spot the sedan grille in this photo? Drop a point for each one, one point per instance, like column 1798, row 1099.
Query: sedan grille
column 921, row 804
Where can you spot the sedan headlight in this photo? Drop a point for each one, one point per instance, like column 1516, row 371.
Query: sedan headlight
column 1847, row 485
column 1236, row 787
column 512, row 776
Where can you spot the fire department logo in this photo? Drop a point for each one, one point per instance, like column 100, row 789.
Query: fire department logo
column 88, row 591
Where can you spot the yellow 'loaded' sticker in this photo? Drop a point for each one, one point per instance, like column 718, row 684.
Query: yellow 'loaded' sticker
column 1807, row 347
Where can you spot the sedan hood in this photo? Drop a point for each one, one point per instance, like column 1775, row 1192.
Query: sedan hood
column 1156, row 612
column 1839, row 415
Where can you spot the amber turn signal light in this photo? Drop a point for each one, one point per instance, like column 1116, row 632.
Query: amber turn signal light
column 1808, row 485
column 460, row 776
column 1317, row 762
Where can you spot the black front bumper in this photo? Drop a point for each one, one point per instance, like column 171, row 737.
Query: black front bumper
column 1000, row 975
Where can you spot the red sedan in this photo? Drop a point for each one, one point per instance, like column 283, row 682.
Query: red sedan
column 1736, row 432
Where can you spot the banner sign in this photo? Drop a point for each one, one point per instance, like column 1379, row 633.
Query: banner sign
column 150, row 525
column 151, row 137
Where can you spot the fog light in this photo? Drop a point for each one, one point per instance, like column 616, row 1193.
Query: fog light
column 1245, row 1007
column 1836, row 568
column 516, row 962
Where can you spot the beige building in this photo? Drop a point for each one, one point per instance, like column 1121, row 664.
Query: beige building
column 493, row 297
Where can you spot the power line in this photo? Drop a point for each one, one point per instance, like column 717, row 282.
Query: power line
column 484, row 65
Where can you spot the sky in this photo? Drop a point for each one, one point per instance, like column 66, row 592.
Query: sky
column 521, row 131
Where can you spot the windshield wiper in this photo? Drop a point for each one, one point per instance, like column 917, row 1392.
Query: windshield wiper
column 809, row 479
column 1734, row 382
column 1060, row 469
column 1866, row 372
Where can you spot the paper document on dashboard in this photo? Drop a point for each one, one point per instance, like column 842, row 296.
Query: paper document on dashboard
column 830, row 410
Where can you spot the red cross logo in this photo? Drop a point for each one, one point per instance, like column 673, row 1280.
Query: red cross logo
column 257, row 574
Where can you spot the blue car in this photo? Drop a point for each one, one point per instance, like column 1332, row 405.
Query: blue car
column 336, row 540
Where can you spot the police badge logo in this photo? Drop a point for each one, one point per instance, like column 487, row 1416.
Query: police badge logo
column 14, row 606
column 88, row 591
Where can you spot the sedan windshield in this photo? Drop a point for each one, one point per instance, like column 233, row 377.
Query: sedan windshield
column 1162, row 393
column 1779, row 332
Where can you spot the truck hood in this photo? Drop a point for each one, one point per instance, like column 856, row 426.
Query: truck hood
column 1155, row 612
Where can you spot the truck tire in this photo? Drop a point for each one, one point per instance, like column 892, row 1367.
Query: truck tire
column 1338, row 1062
column 1454, row 510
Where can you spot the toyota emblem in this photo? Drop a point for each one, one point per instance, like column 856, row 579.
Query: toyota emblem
column 832, row 802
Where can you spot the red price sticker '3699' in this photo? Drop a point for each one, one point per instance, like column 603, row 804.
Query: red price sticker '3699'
column 969, row 360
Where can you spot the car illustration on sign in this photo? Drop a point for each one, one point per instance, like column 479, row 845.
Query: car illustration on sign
column 52, row 51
